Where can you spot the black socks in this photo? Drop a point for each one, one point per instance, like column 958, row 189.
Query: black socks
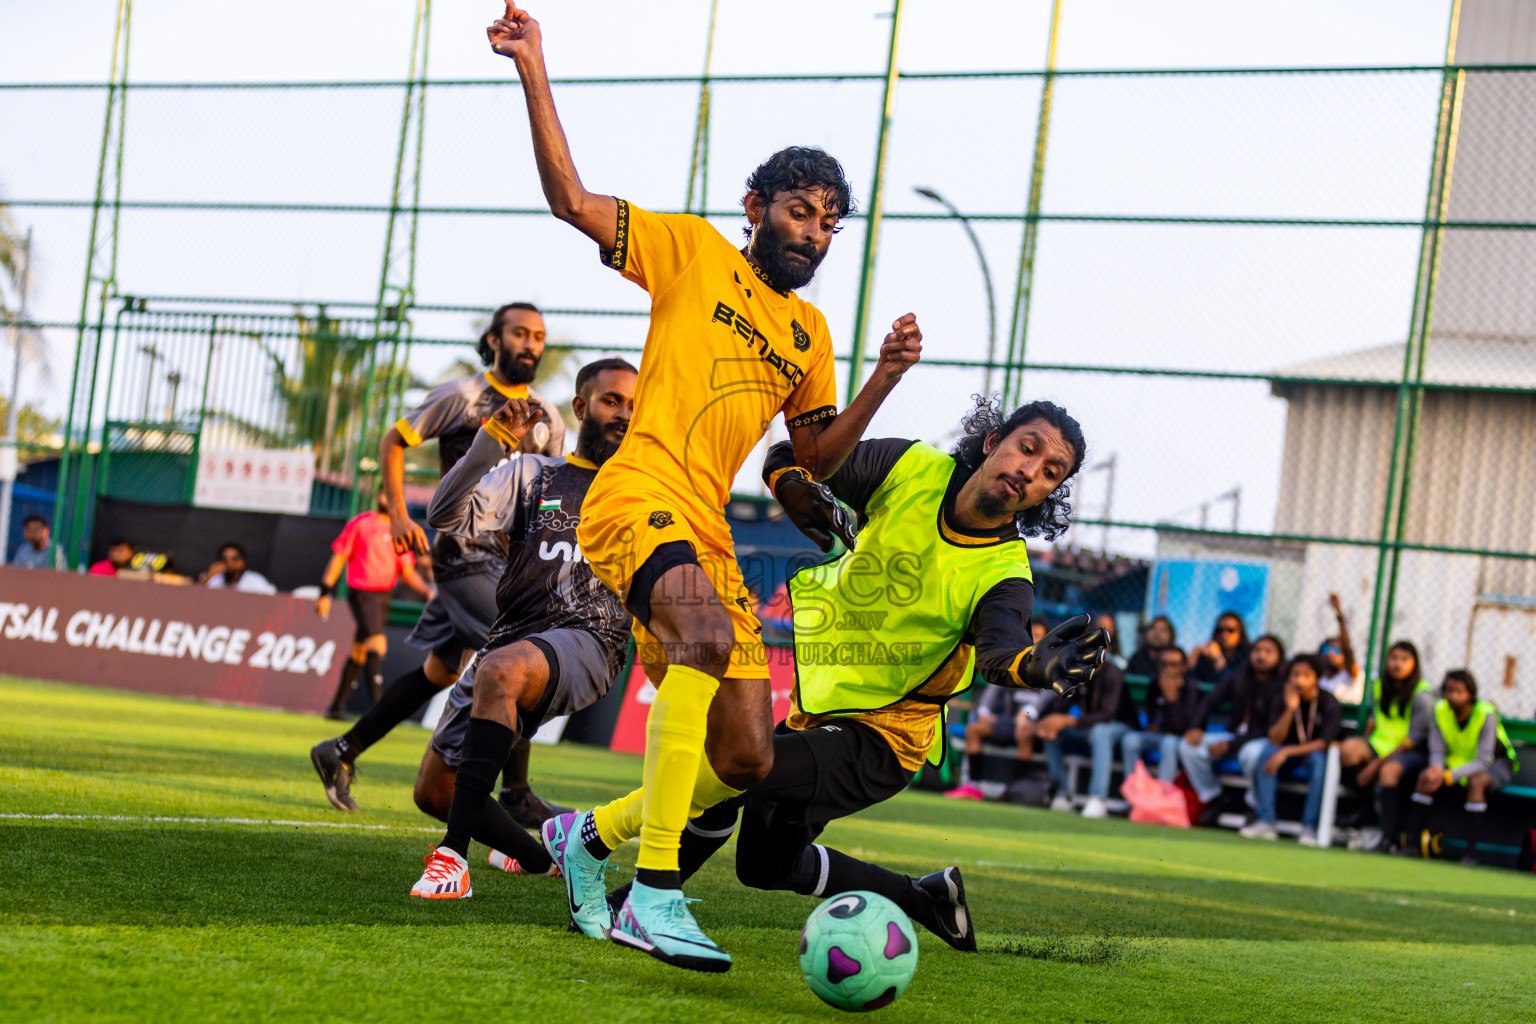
column 514, row 776
column 486, row 746
column 349, row 674
column 1391, row 812
column 590, row 838
column 974, row 767
column 373, row 675
column 399, row 701
column 823, row 871
column 658, row 879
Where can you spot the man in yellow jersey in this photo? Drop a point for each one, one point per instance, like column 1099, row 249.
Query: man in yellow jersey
column 730, row 348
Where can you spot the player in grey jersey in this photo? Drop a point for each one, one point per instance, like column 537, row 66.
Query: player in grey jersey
column 559, row 636
column 454, row 623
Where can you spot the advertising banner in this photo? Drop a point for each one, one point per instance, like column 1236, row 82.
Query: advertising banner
column 255, row 479
column 187, row 641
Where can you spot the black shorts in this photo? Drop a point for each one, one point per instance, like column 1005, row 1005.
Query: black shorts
column 370, row 610
column 826, row 773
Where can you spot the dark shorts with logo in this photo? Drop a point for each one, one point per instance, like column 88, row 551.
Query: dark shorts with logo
column 458, row 618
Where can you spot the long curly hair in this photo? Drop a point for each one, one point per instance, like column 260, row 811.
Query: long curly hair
column 803, row 167
column 1051, row 518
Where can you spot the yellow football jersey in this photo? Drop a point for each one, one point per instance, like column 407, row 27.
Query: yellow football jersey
column 725, row 354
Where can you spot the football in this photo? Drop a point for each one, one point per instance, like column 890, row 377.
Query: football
column 858, row 951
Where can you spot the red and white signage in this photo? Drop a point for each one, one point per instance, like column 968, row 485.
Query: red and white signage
column 265, row 649
column 254, row 479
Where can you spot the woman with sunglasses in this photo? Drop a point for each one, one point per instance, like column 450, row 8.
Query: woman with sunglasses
column 1228, row 646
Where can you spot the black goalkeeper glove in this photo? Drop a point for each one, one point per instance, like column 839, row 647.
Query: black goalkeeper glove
column 812, row 508
column 1066, row 657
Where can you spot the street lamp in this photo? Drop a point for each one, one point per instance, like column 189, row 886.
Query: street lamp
column 986, row 277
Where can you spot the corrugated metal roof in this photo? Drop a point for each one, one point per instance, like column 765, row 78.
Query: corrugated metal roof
column 1476, row 362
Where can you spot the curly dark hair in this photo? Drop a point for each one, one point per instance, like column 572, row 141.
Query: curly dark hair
column 802, row 167
column 483, row 346
column 1051, row 517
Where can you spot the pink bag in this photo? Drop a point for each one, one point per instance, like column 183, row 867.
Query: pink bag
column 1154, row 802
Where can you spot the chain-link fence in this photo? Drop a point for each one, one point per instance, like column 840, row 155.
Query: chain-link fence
column 1290, row 308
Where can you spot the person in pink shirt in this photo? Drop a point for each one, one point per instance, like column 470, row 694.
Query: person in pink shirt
column 119, row 556
column 367, row 553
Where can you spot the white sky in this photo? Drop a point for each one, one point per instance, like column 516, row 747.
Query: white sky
column 1225, row 298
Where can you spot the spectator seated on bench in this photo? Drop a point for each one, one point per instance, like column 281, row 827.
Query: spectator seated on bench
column 1167, row 713
column 1305, row 721
column 1470, row 756
column 1209, row 748
column 1393, row 748
column 1105, row 713
column 1004, row 716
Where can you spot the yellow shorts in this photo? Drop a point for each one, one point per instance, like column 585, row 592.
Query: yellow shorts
column 619, row 535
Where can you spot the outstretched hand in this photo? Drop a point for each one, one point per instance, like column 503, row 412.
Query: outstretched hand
column 515, row 34
column 1067, row 656
column 901, row 349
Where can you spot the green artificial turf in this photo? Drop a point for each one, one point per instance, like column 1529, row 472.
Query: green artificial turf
column 280, row 918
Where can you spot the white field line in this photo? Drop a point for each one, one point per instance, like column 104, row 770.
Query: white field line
column 163, row 819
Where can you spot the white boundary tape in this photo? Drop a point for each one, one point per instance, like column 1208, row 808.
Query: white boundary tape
column 167, row 820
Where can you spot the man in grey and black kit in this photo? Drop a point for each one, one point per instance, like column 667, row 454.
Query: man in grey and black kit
column 455, row 623
column 559, row 636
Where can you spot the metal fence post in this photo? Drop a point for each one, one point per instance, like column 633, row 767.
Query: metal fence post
column 698, row 167
column 1018, row 327
column 1410, row 392
column 876, row 210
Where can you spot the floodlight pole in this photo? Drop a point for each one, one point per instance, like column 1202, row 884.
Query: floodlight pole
column 876, row 211
column 986, row 277
column 1018, row 328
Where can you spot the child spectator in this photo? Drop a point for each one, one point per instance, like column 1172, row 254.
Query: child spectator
column 1158, row 634
column 1393, row 748
column 1168, row 712
column 1469, row 753
column 1250, row 689
column 1341, row 675
column 1305, row 721
column 1228, row 646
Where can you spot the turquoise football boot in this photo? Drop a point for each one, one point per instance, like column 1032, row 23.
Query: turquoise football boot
column 586, row 893
column 657, row 922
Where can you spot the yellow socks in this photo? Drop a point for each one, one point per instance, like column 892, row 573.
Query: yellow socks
column 674, row 747
column 619, row 820
column 708, row 790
